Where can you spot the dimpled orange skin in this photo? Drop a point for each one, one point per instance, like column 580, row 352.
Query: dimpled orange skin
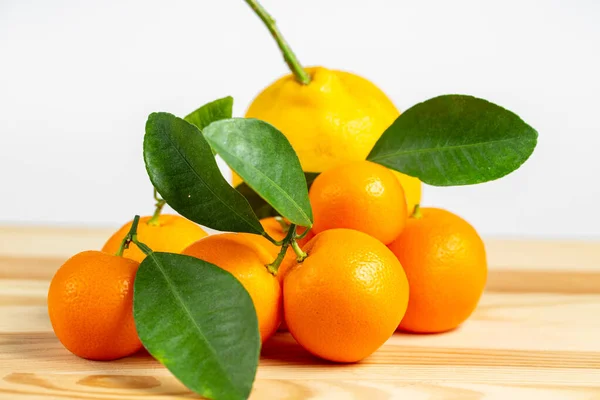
column 90, row 304
column 173, row 234
column 346, row 298
column 445, row 262
column 360, row 195
column 245, row 256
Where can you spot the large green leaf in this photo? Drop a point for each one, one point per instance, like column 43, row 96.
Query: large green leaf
column 199, row 322
column 265, row 159
column 455, row 140
column 261, row 208
column 183, row 170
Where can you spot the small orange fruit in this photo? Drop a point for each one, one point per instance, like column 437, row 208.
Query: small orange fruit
column 171, row 234
column 346, row 298
column 445, row 262
column 360, row 195
column 90, row 304
column 245, row 256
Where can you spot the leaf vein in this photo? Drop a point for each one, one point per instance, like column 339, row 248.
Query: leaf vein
column 273, row 183
column 206, row 185
column 438, row 149
column 189, row 314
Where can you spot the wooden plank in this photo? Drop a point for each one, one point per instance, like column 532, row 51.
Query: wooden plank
column 534, row 335
column 514, row 345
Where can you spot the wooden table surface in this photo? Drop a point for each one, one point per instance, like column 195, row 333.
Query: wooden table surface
column 535, row 334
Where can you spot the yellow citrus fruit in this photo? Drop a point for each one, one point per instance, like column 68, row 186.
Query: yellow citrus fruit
column 412, row 190
column 359, row 195
column 445, row 262
column 172, row 234
column 336, row 118
column 346, row 298
column 245, row 256
column 90, row 304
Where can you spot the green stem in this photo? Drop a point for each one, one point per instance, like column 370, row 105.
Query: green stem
column 160, row 203
column 289, row 238
column 127, row 239
column 288, row 55
column 272, row 240
column 417, row 212
column 303, row 235
column 145, row 249
column 284, row 225
column 300, row 255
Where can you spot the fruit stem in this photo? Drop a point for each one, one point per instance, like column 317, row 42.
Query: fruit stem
column 288, row 55
column 289, row 237
column 303, row 235
column 127, row 239
column 300, row 255
column 132, row 237
column 285, row 227
column 160, row 203
column 270, row 239
column 145, row 249
column 417, row 212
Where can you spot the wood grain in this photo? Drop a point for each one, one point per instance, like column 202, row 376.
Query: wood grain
column 535, row 334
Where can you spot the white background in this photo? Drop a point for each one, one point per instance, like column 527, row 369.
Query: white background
column 78, row 79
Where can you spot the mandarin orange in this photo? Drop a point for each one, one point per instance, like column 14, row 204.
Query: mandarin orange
column 360, row 195
column 445, row 262
column 346, row 298
column 90, row 304
column 245, row 256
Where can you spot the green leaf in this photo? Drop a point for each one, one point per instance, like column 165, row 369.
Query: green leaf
column 199, row 322
column 261, row 208
column 455, row 140
column 211, row 112
column 183, row 170
column 265, row 159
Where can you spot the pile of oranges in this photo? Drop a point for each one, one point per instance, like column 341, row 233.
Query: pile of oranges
column 372, row 267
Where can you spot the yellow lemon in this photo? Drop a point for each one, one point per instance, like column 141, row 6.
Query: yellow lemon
column 334, row 119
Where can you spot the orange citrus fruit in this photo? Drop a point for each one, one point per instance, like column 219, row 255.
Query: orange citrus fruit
column 334, row 119
column 90, row 304
column 171, row 234
column 445, row 262
column 346, row 298
column 245, row 256
column 360, row 195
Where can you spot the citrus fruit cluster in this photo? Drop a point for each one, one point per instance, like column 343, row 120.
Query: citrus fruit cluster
column 369, row 270
column 322, row 233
